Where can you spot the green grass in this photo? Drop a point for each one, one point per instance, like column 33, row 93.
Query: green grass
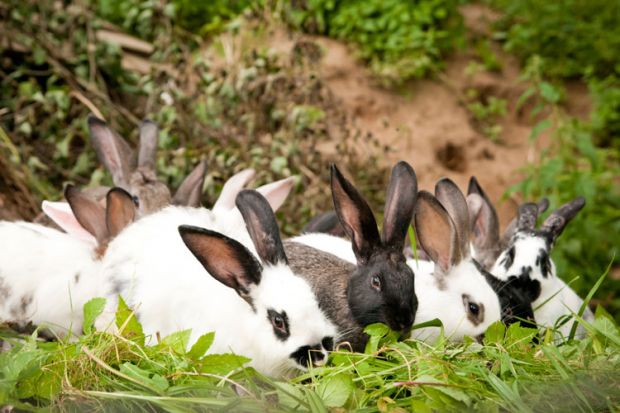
column 100, row 371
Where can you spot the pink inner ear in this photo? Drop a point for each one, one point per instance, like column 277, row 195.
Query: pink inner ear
column 276, row 192
column 231, row 189
column 62, row 215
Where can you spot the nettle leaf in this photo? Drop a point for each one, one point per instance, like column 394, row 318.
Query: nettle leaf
column 495, row 333
column 127, row 323
column 201, row 346
column 335, row 391
column 92, row 310
column 379, row 334
column 221, row 364
column 146, row 378
column 177, row 342
column 517, row 335
column 289, row 395
column 451, row 391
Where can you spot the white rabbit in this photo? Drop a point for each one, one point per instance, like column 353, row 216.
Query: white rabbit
column 527, row 261
column 207, row 281
column 47, row 276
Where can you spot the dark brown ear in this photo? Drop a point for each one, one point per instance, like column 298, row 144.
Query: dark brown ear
column 326, row 223
column 225, row 259
column 453, row 200
column 355, row 216
column 261, row 224
column 484, row 222
column 526, row 220
column 149, row 137
column 557, row 221
column 120, row 210
column 88, row 212
column 543, row 205
column 113, row 152
column 436, row 232
column 190, row 191
column 399, row 203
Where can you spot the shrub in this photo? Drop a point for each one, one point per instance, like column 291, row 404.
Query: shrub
column 399, row 39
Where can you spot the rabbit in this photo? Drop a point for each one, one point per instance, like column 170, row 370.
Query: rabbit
column 456, row 290
column 180, row 269
column 527, row 259
column 47, row 276
column 141, row 179
column 380, row 286
column 326, row 223
column 486, row 241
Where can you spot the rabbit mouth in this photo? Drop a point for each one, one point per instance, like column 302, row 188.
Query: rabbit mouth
column 315, row 355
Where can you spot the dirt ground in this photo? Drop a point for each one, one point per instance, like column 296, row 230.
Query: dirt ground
column 426, row 123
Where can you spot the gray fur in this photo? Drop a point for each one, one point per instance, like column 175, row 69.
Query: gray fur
column 5, row 290
column 328, row 276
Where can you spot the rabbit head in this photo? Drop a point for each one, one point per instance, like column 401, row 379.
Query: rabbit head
column 381, row 288
column 294, row 331
column 139, row 177
column 88, row 220
column 465, row 301
column 526, row 259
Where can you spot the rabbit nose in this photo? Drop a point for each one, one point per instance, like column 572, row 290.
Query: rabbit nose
column 404, row 320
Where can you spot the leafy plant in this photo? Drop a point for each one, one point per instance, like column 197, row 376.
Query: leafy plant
column 487, row 112
column 101, row 372
column 398, row 39
column 574, row 37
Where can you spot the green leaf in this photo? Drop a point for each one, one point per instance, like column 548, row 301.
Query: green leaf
column 92, row 309
column 148, row 379
column 127, row 322
column 335, row 391
column 495, row 333
column 221, row 364
column 201, row 346
column 539, row 128
column 177, row 341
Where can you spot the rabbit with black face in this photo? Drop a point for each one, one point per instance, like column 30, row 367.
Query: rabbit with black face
column 380, row 287
column 526, row 260
column 206, row 281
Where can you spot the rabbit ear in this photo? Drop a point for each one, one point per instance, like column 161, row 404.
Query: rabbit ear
column 231, row 189
column 526, row 219
column 120, row 210
column 355, row 216
column 62, row 215
column 556, row 222
column 326, row 223
column 511, row 228
column 112, row 151
column 261, row 224
column 149, row 136
column 190, row 191
column 225, row 259
column 436, row 232
column 454, row 202
column 276, row 192
column 401, row 196
column 89, row 213
column 483, row 217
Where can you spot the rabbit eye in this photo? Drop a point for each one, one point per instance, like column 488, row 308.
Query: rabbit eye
column 375, row 281
column 474, row 309
column 136, row 200
column 279, row 321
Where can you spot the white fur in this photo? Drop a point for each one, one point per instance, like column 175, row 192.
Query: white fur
column 565, row 301
column 441, row 296
column 340, row 247
column 433, row 302
column 171, row 291
column 53, row 272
